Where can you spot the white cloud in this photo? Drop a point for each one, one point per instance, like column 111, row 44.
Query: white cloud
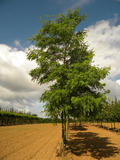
column 16, row 88
column 74, row 3
column 114, row 88
column 114, row 20
column 80, row 3
column 104, row 39
column 17, row 43
column 118, row 82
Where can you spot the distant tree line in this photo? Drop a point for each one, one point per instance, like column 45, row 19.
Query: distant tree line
column 14, row 117
column 13, row 110
column 110, row 113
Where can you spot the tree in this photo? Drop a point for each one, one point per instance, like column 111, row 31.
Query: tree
column 64, row 62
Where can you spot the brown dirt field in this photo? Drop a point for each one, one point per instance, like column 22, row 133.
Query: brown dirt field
column 110, row 126
column 42, row 142
column 30, row 142
column 92, row 143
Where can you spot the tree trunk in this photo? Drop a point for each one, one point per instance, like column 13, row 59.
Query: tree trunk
column 62, row 117
column 114, row 125
column 111, row 125
column 101, row 123
column 67, row 121
column 80, row 122
column 64, row 133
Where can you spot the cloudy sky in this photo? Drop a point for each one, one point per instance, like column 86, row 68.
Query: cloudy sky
column 19, row 20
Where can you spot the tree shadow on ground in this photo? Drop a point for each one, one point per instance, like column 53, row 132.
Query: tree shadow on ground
column 109, row 128
column 78, row 128
column 99, row 147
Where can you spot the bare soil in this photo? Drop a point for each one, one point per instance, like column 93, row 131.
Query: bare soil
column 30, row 142
column 88, row 142
column 43, row 142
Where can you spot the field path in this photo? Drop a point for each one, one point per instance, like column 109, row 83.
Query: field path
column 92, row 143
column 30, row 142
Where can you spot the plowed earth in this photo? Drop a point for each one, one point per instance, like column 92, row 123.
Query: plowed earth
column 43, row 141
column 30, row 142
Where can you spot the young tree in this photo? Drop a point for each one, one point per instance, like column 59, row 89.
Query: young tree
column 64, row 61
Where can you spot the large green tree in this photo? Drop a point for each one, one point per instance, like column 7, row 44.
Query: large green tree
column 64, row 62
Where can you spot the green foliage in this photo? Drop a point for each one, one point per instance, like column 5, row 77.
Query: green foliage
column 16, row 114
column 13, row 118
column 111, row 112
column 64, row 61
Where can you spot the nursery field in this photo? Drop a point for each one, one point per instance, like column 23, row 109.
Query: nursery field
column 93, row 143
column 43, row 142
column 115, row 126
column 30, row 142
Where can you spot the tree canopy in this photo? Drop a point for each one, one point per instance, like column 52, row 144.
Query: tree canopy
column 64, row 60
